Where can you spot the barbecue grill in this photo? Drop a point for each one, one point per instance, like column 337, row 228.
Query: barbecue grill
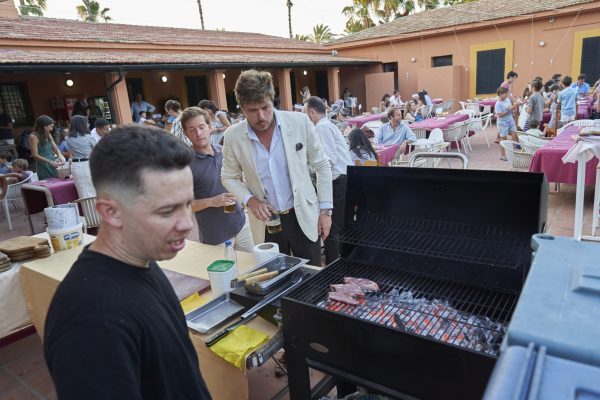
column 449, row 250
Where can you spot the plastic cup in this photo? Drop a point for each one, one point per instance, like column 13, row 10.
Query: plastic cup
column 274, row 223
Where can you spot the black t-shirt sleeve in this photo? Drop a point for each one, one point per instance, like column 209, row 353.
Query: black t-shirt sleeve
column 109, row 369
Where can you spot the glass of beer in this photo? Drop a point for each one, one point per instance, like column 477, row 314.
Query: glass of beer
column 229, row 208
column 274, row 223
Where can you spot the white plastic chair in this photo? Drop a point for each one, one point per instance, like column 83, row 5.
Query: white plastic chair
column 91, row 218
column 475, row 107
column 456, row 133
column 419, row 133
column 578, row 122
column 531, row 143
column 519, row 160
column 13, row 196
column 467, row 111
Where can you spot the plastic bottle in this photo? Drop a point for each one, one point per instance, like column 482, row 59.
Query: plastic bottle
column 230, row 254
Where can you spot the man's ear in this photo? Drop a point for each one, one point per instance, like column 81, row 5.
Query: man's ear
column 110, row 211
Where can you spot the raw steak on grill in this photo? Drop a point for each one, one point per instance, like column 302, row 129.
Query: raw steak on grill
column 348, row 288
column 343, row 298
column 364, row 284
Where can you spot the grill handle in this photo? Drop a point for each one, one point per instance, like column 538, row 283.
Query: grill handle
column 414, row 157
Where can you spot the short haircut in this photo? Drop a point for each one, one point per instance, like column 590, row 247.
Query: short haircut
column 78, row 126
column 567, row 81
column 391, row 112
column 501, row 90
column 512, row 74
column 539, row 78
column 20, row 163
column 254, row 86
column 101, row 123
column 396, row 91
column 556, row 76
column 173, row 105
column 582, row 76
column 118, row 161
column 554, row 87
column 537, row 85
column 316, row 104
column 193, row 112
column 534, row 124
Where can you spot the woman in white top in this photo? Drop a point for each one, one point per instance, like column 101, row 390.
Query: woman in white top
column 80, row 144
column 219, row 121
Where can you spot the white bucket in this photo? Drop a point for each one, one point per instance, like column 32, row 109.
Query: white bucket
column 63, row 239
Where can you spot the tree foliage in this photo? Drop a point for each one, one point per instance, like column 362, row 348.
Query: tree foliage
column 90, row 11
column 321, row 34
column 364, row 14
column 32, row 7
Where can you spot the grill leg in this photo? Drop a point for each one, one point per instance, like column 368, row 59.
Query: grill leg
column 298, row 376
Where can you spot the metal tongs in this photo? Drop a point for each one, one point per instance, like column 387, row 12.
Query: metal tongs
column 252, row 312
column 259, row 275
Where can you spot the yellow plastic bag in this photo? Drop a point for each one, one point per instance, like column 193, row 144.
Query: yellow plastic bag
column 240, row 342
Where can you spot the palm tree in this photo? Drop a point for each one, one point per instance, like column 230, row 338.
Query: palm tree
column 32, row 7
column 201, row 15
column 359, row 15
column 289, row 6
column 304, row 38
column 321, row 34
column 90, row 11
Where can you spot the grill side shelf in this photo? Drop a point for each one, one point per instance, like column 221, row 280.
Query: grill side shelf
column 477, row 244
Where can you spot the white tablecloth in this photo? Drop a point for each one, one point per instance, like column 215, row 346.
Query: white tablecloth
column 13, row 307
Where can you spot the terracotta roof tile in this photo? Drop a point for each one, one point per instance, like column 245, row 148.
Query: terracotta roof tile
column 43, row 29
column 476, row 11
column 29, row 57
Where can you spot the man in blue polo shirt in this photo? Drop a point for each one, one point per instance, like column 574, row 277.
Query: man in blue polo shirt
column 219, row 217
column 583, row 88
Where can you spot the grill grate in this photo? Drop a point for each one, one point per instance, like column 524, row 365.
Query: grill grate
column 445, row 311
column 489, row 245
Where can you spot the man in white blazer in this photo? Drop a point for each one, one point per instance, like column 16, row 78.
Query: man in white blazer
column 274, row 152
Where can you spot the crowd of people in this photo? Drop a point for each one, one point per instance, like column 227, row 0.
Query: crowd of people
column 525, row 113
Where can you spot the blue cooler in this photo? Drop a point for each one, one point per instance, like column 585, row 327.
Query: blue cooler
column 526, row 374
column 559, row 306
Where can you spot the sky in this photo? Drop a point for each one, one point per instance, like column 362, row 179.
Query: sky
column 262, row 16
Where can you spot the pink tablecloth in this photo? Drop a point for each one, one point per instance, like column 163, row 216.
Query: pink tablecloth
column 437, row 101
column 442, row 123
column 491, row 103
column 358, row 122
column 548, row 160
column 386, row 152
column 62, row 190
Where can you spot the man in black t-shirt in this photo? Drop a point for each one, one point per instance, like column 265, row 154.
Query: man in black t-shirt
column 115, row 329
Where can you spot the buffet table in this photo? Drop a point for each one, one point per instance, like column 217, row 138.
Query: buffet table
column 40, row 278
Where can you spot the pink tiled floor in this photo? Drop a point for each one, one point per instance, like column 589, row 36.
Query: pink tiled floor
column 24, row 376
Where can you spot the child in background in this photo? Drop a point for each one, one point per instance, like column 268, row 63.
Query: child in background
column 535, row 105
column 4, row 167
column 553, row 104
column 505, row 121
column 534, row 129
column 17, row 174
column 142, row 118
column 567, row 99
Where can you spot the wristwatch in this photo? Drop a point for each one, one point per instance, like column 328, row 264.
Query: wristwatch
column 326, row 211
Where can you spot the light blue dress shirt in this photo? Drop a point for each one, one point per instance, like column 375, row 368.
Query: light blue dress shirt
column 389, row 135
column 273, row 171
column 143, row 106
column 583, row 89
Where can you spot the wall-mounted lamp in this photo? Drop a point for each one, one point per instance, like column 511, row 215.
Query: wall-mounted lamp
column 164, row 78
column 552, row 20
column 223, row 76
column 413, row 60
column 515, row 65
column 69, row 82
column 542, row 43
column 305, row 72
